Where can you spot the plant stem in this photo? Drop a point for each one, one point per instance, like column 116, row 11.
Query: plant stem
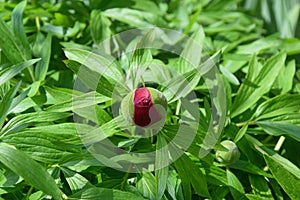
column 143, row 82
column 279, row 143
column 29, row 192
column 244, row 123
column 125, row 177
column 38, row 24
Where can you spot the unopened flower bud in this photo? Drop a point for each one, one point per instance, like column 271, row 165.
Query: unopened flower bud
column 229, row 152
column 145, row 107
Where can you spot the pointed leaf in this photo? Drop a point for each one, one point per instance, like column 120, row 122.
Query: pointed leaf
column 100, row 28
column 288, row 166
column 287, row 180
column 18, row 28
column 11, row 45
column 10, row 72
column 279, row 105
column 256, row 86
column 105, row 193
column 6, row 103
column 92, row 79
column 30, row 170
column 147, row 185
column 280, row 128
column 236, row 188
column 24, row 120
column 179, row 86
column 79, row 102
column 184, row 165
column 101, row 64
column 260, row 186
column 44, row 53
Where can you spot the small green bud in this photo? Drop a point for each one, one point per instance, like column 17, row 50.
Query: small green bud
column 229, row 153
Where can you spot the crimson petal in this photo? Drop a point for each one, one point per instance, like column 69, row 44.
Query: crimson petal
column 145, row 113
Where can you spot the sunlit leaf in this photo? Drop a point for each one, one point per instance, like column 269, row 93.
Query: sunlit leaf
column 255, row 86
column 30, row 170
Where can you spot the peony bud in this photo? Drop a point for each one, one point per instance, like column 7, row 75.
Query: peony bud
column 145, row 107
column 229, row 153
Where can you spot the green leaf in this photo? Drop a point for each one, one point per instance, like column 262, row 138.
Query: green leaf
column 256, row 86
column 230, row 76
column 95, row 114
column 6, row 103
column 280, row 128
column 54, row 141
column 190, row 56
column 280, row 161
column 18, row 28
column 135, row 18
column 277, row 191
column 287, row 180
column 102, row 64
column 147, row 185
column 284, row 81
column 44, row 53
column 260, row 187
column 58, row 31
column 30, row 170
column 184, row 165
column 180, row 85
column 27, row 103
column 260, row 45
column 219, row 193
column 100, row 28
column 105, row 193
column 215, row 175
column 8, row 178
column 92, row 79
column 79, row 162
column 241, row 133
column 79, row 102
column 278, row 105
column 141, row 58
column 17, row 100
column 22, row 121
column 189, row 66
column 236, row 188
column 291, row 118
column 108, row 129
column 75, row 180
column 10, row 44
column 12, row 71
column 57, row 95
column 249, row 168
column 158, row 72
column 291, row 46
column 161, row 166
column 256, row 197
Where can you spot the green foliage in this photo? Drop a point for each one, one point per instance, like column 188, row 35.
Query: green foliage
column 65, row 66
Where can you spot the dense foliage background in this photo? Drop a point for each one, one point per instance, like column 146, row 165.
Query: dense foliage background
column 255, row 45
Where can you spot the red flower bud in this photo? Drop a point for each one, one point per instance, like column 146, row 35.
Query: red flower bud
column 145, row 107
column 144, row 113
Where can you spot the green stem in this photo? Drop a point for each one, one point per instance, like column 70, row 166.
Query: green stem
column 38, row 24
column 279, row 143
column 178, row 107
column 31, row 74
column 244, row 123
column 29, row 192
column 143, row 82
column 125, row 177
